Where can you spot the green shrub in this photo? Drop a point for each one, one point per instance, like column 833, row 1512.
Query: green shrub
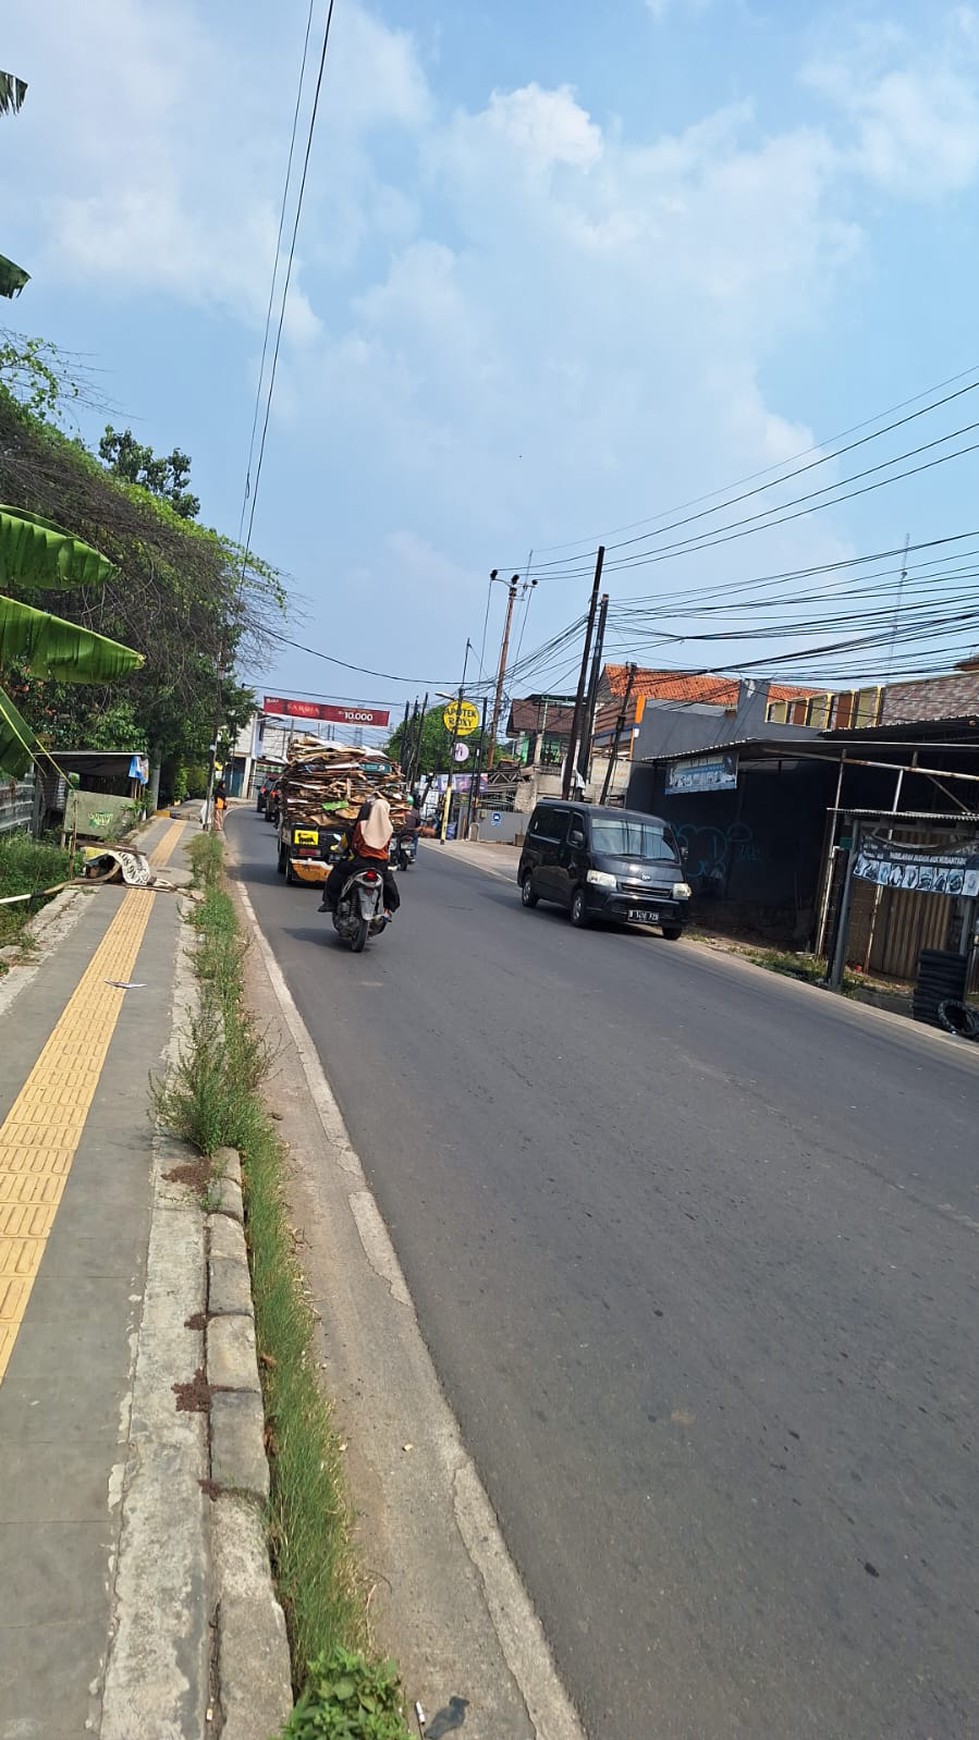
column 27, row 866
column 349, row 1698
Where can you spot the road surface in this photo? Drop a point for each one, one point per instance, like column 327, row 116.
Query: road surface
column 694, row 1250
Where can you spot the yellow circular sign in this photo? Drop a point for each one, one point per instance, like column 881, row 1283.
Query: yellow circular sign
column 461, row 718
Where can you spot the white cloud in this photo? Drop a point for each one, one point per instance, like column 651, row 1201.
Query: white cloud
column 544, row 128
column 662, row 9
column 913, row 112
column 501, row 311
column 167, row 174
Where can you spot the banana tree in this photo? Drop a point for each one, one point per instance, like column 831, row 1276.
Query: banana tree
column 12, row 93
column 33, row 552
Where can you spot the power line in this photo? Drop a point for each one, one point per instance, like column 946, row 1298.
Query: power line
column 726, row 589
column 288, row 274
column 275, row 267
column 362, row 670
column 733, row 534
column 769, row 470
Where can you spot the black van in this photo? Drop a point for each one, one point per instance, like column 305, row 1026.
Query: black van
column 604, row 863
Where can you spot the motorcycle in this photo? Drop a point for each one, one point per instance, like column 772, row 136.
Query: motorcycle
column 403, row 851
column 360, row 909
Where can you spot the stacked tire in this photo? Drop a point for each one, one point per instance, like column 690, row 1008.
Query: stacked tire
column 941, row 979
column 959, row 1019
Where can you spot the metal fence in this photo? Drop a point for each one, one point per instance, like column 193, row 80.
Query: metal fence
column 16, row 804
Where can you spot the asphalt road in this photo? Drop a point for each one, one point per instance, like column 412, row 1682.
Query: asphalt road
column 694, row 1250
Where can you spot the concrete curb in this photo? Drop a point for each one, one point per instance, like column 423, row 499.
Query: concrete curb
column 252, row 1667
column 245, row 1647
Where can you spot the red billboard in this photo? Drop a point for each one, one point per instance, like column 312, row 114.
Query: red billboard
column 286, row 709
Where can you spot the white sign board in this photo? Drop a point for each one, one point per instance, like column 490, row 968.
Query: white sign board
column 717, row 771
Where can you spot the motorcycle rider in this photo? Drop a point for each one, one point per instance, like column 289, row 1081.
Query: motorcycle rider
column 407, row 835
column 367, row 850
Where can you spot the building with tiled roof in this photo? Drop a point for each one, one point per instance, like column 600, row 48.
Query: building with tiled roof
column 681, row 688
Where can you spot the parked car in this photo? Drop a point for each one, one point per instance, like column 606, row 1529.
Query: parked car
column 613, row 864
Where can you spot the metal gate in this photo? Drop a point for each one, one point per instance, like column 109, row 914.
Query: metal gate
column 16, row 804
column 889, row 927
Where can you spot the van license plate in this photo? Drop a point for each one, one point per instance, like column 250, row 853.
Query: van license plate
column 642, row 915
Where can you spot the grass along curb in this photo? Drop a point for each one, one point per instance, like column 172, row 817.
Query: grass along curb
column 213, row 1100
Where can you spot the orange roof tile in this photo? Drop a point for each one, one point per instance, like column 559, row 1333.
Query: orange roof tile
column 705, row 689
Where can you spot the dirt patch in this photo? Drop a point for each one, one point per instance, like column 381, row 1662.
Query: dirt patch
column 196, row 1173
column 193, row 1397
column 198, row 1320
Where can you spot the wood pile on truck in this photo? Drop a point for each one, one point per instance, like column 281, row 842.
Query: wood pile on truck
column 322, row 788
column 327, row 783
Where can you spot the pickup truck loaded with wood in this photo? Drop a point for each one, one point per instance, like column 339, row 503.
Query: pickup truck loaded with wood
column 321, row 791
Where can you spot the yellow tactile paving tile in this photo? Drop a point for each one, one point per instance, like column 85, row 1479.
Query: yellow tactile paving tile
column 40, row 1135
column 162, row 853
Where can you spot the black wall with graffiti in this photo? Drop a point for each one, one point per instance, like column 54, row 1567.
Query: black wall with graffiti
column 754, row 854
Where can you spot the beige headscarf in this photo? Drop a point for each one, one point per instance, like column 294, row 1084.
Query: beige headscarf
column 377, row 829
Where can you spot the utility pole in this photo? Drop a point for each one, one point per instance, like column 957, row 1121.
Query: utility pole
column 407, row 742
column 476, row 774
column 588, row 724
column 620, row 724
column 838, row 967
column 419, row 749
column 569, row 760
column 452, row 751
column 501, row 673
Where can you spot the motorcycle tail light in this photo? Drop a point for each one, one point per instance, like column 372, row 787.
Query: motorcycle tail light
column 370, row 876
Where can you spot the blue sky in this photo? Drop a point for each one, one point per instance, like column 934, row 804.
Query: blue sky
column 561, row 268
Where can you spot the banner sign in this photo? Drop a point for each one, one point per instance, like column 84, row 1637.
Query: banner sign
column 716, row 772
column 286, row 709
column 918, row 869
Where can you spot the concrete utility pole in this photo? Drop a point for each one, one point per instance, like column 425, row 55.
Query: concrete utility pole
column 588, row 724
column 570, row 759
column 476, row 775
column 620, row 725
column 452, row 752
column 501, row 673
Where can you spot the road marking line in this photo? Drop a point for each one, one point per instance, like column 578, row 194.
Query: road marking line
column 40, row 1135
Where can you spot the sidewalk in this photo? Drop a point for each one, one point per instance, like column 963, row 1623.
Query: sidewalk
column 498, row 860
column 76, row 1163
column 110, row 1607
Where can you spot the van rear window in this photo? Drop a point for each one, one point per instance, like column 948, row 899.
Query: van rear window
column 624, row 837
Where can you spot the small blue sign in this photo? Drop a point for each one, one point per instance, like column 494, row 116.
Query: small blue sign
column 496, row 818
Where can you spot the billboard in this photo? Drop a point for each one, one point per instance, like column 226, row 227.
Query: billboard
column 284, row 708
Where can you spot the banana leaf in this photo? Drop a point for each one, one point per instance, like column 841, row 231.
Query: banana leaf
column 12, row 93
column 33, row 552
column 18, row 744
column 12, row 277
column 51, row 647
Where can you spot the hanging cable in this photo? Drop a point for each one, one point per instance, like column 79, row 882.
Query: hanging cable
column 287, row 182
column 288, row 280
